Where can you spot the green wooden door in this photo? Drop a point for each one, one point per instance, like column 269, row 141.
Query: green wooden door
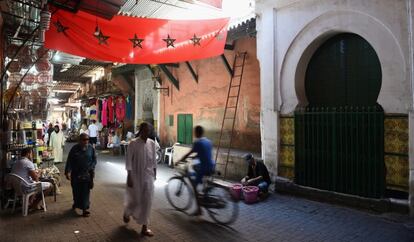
column 185, row 128
column 344, row 71
column 339, row 137
column 181, row 128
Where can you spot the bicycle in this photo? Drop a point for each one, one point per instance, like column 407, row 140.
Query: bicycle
column 215, row 198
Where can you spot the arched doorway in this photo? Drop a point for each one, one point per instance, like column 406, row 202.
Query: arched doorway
column 339, row 135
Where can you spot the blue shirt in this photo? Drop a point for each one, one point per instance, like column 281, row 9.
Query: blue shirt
column 203, row 147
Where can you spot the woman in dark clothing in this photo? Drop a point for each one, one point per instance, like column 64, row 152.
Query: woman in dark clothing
column 80, row 170
column 49, row 132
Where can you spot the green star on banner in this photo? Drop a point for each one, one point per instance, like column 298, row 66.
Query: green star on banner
column 195, row 40
column 169, row 41
column 101, row 38
column 136, row 42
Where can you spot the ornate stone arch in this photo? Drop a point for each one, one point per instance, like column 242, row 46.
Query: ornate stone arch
column 394, row 95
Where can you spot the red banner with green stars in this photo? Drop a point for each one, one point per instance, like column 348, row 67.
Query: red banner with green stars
column 133, row 40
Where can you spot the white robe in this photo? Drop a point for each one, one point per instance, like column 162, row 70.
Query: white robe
column 57, row 141
column 140, row 161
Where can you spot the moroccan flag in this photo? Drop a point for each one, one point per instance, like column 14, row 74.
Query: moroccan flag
column 133, row 40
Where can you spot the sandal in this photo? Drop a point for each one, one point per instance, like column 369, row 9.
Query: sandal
column 125, row 218
column 86, row 213
column 147, row 232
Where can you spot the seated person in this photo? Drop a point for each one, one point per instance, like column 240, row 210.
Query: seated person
column 129, row 136
column 113, row 140
column 26, row 169
column 257, row 174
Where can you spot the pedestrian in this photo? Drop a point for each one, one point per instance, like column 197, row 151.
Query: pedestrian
column 49, row 133
column 93, row 133
column 141, row 167
column 57, row 142
column 80, row 170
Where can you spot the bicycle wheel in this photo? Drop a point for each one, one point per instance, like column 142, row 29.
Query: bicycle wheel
column 158, row 156
column 179, row 193
column 222, row 208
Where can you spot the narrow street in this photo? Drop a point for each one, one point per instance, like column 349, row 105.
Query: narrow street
column 279, row 218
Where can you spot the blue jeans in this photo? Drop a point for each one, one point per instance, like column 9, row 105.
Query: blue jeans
column 202, row 171
column 263, row 186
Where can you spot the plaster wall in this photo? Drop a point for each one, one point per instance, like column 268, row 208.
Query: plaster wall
column 206, row 99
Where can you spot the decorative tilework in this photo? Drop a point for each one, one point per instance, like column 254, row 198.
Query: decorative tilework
column 286, row 172
column 287, row 156
column 396, row 172
column 396, row 135
column 287, row 150
column 396, row 152
column 287, row 131
column 396, row 145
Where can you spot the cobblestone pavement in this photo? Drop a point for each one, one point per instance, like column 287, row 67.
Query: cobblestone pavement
column 279, row 218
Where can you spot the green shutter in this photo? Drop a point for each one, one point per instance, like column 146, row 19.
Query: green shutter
column 185, row 128
column 181, row 128
column 189, row 129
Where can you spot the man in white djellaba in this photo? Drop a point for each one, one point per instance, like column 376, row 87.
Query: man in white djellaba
column 57, row 142
column 141, row 166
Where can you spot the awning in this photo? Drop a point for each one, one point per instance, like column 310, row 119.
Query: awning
column 136, row 40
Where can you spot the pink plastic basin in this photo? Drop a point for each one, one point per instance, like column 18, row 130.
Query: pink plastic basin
column 235, row 191
column 250, row 194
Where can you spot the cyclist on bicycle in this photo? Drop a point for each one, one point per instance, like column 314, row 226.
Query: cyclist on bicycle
column 203, row 149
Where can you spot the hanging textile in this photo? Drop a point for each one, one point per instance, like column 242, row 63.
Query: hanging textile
column 98, row 118
column 100, row 110
column 120, row 109
column 110, row 110
column 92, row 112
column 139, row 40
column 104, row 113
column 129, row 108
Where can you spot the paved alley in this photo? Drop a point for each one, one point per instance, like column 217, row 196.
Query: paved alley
column 279, row 218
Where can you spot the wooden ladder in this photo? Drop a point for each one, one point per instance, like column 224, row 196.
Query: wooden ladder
column 232, row 101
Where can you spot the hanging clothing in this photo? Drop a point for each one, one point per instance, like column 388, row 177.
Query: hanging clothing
column 92, row 112
column 92, row 102
column 120, row 109
column 141, row 163
column 104, row 113
column 129, row 108
column 110, row 110
column 100, row 110
column 57, row 142
column 98, row 118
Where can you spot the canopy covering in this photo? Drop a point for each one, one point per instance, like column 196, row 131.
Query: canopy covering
column 136, row 40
